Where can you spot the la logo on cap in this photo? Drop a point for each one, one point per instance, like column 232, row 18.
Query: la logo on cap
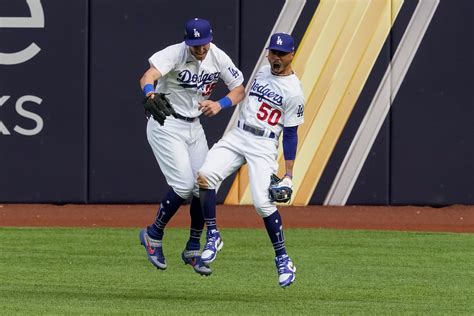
column 197, row 32
column 282, row 42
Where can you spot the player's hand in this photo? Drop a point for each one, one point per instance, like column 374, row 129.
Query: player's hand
column 209, row 108
column 286, row 182
column 280, row 190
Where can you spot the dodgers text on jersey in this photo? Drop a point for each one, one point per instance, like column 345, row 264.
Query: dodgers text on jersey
column 265, row 93
column 190, row 80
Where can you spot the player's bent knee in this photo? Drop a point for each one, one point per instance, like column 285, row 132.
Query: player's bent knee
column 184, row 192
column 265, row 210
column 204, row 181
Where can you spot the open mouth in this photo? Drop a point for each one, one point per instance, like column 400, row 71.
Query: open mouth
column 276, row 67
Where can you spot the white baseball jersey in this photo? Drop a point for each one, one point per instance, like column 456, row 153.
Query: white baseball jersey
column 189, row 80
column 180, row 146
column 272, row 103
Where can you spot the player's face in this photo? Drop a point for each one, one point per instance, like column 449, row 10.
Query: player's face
column 280, row 62
column 200, row 51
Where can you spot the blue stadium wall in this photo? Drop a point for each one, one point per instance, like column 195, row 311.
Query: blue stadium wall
column 72, row 128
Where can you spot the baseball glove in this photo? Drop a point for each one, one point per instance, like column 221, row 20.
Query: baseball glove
column 280, row 190
column 158, row 106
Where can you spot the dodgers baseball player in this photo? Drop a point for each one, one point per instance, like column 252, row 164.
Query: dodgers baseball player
column 187, row 72
column 275, row 103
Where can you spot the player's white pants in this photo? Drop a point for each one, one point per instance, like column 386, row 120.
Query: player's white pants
column 232, row 151
column 180, row 148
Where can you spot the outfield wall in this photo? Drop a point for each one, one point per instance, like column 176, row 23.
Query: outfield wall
column 72, row 128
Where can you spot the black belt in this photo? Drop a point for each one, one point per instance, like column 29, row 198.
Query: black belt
column 254, row 130
column 184, row 118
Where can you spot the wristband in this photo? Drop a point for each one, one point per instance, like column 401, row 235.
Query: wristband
column 289, row 175
column 225, row 102
column 148, row 88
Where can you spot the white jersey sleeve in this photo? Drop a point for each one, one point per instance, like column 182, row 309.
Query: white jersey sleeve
column 294, row 111
column 166, row 59
column 230, row 74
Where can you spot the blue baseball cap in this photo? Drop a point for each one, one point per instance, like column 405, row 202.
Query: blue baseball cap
column 197, row 32
column 282, row 42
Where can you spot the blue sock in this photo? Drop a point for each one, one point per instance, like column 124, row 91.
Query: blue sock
column 197, row 224
column 274, row 228
column 168, row 207
column 208, row 204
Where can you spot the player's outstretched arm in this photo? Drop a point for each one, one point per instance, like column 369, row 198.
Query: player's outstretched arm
column 289, row 168
column 237, row 94
column 211, row 108
column 147, row 81
column 290, row 144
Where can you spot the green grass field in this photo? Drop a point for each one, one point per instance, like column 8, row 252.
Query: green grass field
column 105, row 271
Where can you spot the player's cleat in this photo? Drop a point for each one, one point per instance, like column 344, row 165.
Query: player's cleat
column 193, row 258
column 154, row 250
column 202, row 268
column 214, row 243
column 286, row 270
column 190, row 257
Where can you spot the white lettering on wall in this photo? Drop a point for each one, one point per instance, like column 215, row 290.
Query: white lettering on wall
column 24, row 113
column 35, row 21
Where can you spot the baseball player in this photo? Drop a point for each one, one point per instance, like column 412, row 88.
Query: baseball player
column 275, row 103
column 186, row 73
